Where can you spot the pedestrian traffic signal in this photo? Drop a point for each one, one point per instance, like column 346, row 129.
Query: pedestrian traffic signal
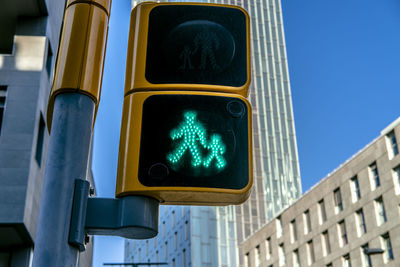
column 188, row 46
column 186, row 147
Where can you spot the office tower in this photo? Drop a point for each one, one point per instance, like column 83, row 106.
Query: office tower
column 350, row 218
column 29, row 36
column 216, row 232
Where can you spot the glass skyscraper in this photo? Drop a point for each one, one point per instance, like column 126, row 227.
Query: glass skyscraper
column 210, row 236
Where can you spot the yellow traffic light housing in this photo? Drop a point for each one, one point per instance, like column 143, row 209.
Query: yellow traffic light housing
column 186, row 147
column 188, row 46
column 186, row 126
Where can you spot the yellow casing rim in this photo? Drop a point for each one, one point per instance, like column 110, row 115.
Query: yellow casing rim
column 127, row 175
column 135, row 79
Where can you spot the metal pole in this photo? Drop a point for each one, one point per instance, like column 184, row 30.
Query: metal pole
column 67, row 160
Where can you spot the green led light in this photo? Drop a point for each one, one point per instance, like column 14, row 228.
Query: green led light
column 192, row 135
column 217, row 148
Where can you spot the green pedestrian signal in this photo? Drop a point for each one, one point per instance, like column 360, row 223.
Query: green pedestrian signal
column 192, row 136
column 192, row 132
column 217, row 148
column 191, row 148
column 190, row 140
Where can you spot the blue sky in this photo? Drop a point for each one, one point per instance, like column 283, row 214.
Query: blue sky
column 344, row 65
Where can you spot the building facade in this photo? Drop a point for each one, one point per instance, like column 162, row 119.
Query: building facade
column 350, row 218
column 215, row 232
column 30, row 31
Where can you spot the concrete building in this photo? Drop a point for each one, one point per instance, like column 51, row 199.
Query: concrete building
column 30, row 31
column 350, row 218
column 212, row 234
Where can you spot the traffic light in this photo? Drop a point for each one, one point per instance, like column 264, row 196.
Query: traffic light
column 186, row 148
column 188, row 46
column 186, row 125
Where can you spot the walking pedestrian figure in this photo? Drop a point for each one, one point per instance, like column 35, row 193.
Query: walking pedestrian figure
column 193, row 134
column 217, row 149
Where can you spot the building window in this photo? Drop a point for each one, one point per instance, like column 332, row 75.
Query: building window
column 387, row 247
column 139, row 253
column 163, row 228
column 40, row 141
column 396, row 179
column 268, row 246
column 258, row 256
column 173, row 262
column 310, row 252
column 296, row 258
column 360, row 221
column 147, row 247
column 355, row 189
column 329, row 265
column 392, row 144
column 247, row 260
column 374, row 176
column 307, row 222
column 337, row 196
column 281, row 252
column 380, row 211
column 279, row 230
column 3, row 94
column 366, row 259
column 342, row 233
column 326, row 243
column 322, row 211
column 293, row 231
column 346, row 260
column 173, row 219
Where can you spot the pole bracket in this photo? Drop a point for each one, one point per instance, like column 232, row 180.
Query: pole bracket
column 132, row 217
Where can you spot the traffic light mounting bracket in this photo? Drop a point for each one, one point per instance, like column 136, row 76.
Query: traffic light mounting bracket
column 133, row 217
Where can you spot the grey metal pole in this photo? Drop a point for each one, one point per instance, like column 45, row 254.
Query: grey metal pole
column 67, row 160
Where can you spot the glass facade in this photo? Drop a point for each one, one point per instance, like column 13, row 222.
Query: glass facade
column 215, row 232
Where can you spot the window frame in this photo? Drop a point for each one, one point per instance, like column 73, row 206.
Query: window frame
column 322, row 211
column 296, row 258
column 361, row 223
column 310, row 252
column 392, row 146
column 307, row 221
column 381, row 217
column 338, row 200
column 293, row 231
column 326, row 243
column 343, row 233
column 346, row 259
column 388, row 254
column 374, row 176
column 355, row 189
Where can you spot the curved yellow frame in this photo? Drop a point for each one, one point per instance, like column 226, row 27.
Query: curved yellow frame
column 81, row 52
column 128, row 160
column 137, row 50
